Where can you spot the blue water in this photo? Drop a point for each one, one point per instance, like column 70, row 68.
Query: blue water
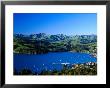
column 50, row 61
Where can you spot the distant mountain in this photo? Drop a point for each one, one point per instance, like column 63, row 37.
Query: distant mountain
column 59, row 37
column 42, row 43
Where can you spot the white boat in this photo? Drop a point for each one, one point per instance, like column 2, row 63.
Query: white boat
column 65, row 63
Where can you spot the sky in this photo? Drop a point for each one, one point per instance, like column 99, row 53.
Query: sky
column 55, row 23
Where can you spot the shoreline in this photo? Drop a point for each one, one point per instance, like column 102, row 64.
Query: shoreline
column 92, row 54
column 74, row 67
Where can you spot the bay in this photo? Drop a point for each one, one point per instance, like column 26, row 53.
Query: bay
column 50, row 61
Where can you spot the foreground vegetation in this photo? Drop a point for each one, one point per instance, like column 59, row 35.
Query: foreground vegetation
column 43, row 43
column 89, row 68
